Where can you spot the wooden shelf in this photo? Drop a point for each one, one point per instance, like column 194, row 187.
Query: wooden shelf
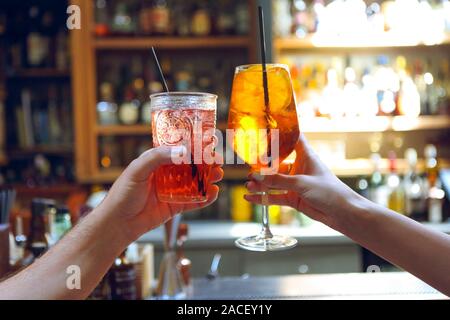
column 384, row 42
column 319, row 125
column 122, row 130
column 374, row 124
column 44, row 191
column 48, row 150
column 124, row 43
column 364, row 167
column 40, row 73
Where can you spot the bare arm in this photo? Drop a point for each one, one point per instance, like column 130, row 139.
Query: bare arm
column 317, row 192
column 130, row 209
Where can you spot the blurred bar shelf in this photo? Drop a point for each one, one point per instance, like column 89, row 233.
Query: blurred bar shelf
column 46, row 191
column 373, row 124
column 39, row 73
column 171, row 43
column 319, row 125
column 368, row 43
column 342, row 168
column 47, row 150
column 122, row 130
column 364, row 167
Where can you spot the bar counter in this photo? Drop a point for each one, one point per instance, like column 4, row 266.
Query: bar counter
column 379, row 285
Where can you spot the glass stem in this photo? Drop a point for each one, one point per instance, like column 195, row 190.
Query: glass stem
column 265, row 231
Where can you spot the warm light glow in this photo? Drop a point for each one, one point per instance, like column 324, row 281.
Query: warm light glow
column 428, row 78
column 106, row 162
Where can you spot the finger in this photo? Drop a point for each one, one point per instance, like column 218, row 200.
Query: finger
column 255, row 186
column 141, row 167
column 212, row 193
column 272, row 199
column 297, row 183
column 216, row 174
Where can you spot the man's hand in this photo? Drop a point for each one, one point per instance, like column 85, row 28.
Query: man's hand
column 132, row 199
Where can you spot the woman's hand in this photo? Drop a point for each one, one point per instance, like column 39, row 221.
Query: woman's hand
column 312, row 188
column 132, row 198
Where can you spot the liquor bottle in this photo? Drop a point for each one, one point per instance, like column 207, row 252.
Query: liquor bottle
column 123, row 22
column 443, row 88
column 369, row 103
column 61, row 56
column 37, row 44
column 201, row 20
column 282, row 18
column 145, row 17
column 419, row 81
column 61, row 223
column 102, row 27
column 160, row 16
column 351, row 93
column 20, row 237
column 166, row 66
column 181, row 16
column 396, row 199
column 388, row 84
column 106, row 108
column 55, row 131
column 378, row 192
column 408, row 100
column 415, row 206
column 122, row 279
column 109, row 153
column 225, row 22
column 129, row 109
column 300, row 24
column 435, row 194
column 38, row 242
column 242, row 18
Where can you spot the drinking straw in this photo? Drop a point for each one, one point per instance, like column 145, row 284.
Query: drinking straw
column 262, row 39
column 160, row 70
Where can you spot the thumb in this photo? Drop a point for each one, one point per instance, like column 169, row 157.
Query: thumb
column 297, row 183
column 141, row 167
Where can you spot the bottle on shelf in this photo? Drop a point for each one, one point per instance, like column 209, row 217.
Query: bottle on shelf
column 201, row 20
column 242, row 18
column 435, row 194
column 160, row 17
column 106, row 108
column 145, row 17
column 102, row 26
column 396, row 199
column 413, row 184
column 282, row 18
column 225, row 22
column 122, row 279
column 110, row 153
column 123, row 23
column 129, row 109
column 181, row 18
column 184, row 264
column 37, row 43
column 39, row 240
column 378, row 191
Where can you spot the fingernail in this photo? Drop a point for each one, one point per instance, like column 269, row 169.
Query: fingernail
column 178, row 150
column 258, row 177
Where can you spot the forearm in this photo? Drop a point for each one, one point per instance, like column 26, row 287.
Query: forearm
column 92, row 246
column 400, row 240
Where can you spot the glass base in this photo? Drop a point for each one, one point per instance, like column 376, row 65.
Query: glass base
column 258, row 243
column 181, row 199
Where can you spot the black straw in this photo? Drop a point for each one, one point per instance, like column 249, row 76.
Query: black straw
column 262, row 38
column 160, row 70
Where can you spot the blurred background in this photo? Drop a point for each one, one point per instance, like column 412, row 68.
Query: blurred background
column 372, row 81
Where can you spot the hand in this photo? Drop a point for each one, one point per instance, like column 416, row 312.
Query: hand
column 132, row 198
column 312, row 188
